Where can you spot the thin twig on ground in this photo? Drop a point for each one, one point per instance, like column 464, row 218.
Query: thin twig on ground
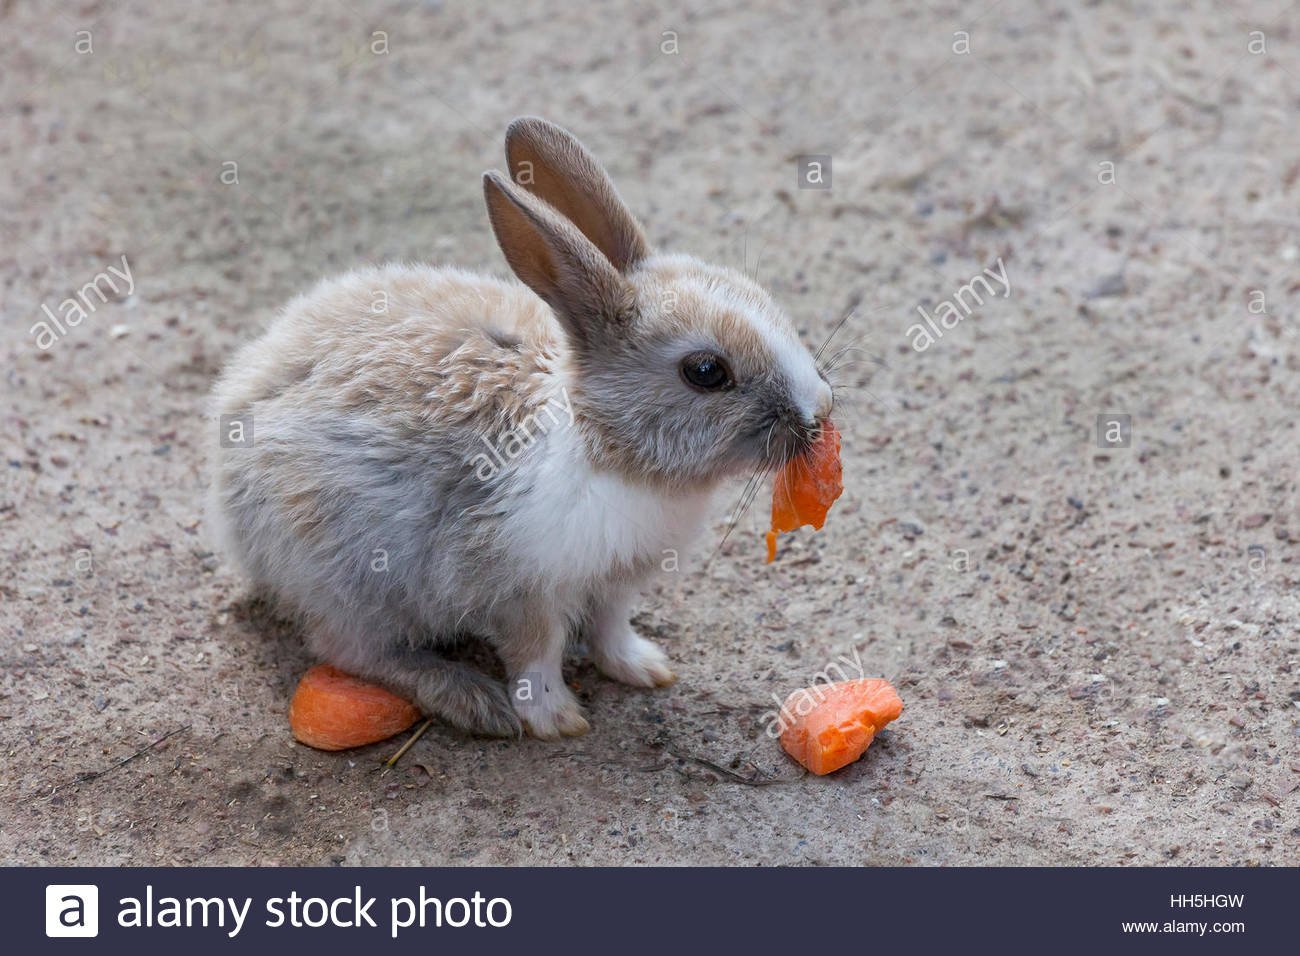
column 391, row 762
column 95, row 775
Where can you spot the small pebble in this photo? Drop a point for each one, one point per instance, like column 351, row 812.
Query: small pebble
column 1112, row 284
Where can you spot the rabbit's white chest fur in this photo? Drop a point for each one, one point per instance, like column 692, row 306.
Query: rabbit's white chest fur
column 575, row 524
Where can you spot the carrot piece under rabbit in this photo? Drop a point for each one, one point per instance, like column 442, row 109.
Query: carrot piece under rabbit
column 332, row 710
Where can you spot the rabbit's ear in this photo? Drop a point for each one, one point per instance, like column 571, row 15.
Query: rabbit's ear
column 550, row 256
column 550, row 162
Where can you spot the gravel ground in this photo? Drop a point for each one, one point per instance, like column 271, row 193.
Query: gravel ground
column 1097, row 645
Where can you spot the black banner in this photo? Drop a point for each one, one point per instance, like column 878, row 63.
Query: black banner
column 653, row 911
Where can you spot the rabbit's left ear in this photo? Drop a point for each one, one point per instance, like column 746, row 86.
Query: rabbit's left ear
column 591, row 298
column 549, row 162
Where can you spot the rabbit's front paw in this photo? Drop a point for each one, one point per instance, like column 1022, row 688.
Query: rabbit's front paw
column 628, row 657
column 548, row 709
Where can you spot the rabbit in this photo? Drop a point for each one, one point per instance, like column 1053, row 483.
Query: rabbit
column 433, row 453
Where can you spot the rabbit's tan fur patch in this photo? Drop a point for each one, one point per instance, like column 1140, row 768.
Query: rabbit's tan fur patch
column 448, row 347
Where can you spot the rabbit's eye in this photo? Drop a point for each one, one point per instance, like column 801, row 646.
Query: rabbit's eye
column 707, row 372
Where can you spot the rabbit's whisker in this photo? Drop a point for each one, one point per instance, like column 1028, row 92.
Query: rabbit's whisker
column 835, row 331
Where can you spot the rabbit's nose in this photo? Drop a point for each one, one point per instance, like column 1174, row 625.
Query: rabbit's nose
column 824, row 401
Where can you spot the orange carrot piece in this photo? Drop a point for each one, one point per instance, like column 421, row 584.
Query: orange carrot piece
column 332, row 710
column 828, row 726
column 806, row 487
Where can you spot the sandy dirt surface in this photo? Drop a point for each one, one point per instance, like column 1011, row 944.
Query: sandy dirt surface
column 1097, row 646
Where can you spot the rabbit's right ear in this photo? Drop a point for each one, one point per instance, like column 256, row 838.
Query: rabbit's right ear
column 547, row 252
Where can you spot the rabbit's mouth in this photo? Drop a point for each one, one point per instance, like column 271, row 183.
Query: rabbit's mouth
column 778, row 440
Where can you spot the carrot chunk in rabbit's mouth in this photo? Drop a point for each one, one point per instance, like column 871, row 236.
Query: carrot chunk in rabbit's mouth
column 806, row 487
